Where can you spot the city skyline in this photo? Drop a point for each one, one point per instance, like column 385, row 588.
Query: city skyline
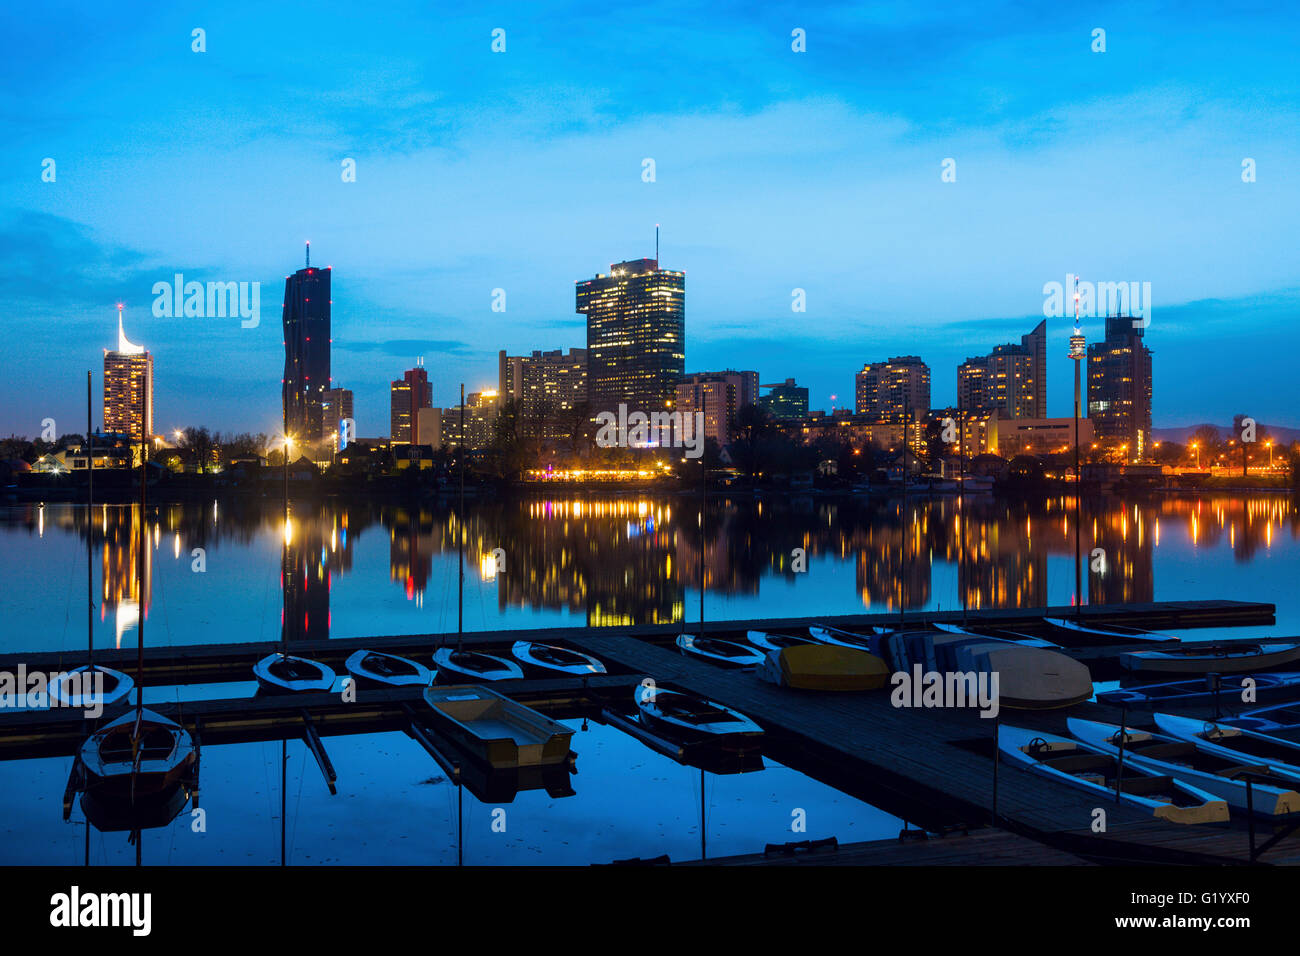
column 774, row 171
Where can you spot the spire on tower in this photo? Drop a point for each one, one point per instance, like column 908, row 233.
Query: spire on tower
column 308, row 253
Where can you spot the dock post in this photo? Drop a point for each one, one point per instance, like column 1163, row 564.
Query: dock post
column 997, row 751
column 1250, row 814
column 1123, row 736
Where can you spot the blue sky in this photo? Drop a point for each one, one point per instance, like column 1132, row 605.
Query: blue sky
column 521, row 170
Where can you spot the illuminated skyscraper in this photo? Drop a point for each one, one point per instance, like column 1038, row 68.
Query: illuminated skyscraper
column 895, row 389
column 407, row 396
column 128, row 388
column 548, row 388
column 786, row 401
column 1012, row 379
column 636, row 336
column 336, row 407
column 719, row 395
column 306, row 351
column 1119, row 386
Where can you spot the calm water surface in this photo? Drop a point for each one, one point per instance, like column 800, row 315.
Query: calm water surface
column 356, row 570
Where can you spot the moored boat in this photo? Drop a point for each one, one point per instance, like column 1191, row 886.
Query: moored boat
column 1234, row 742
column 693, row 719
column 1277, row 687
column 460, row 667
column 1272, row 791
column 889, row 645
column 997, row 634
column 1089, row 768
column 767, row 641
column 76, row 688
column 282, row 673
column 1207, row 658
column 498, row 731
column 1274, row 720
column 1074, row 632
column 377, row 669
column 551, row 659
column 139, row 753
column 720, row 652
column 1028, row 678
column 824, row 667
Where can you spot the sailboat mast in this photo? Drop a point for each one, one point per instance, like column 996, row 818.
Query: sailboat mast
column 704, row 504
column 90, row 536
column 144, row 539
column 460, row 534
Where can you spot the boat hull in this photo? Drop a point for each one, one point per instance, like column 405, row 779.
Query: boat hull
column 109, row 756
column 1198, row 806
column 1277, row 687
column 1160, row 662
column 722, row 653
column 495, row 729
column 547, row 660
column 472, row 667
column 117, row 687
column 377, row 669
column 286, row 674
column 694, row 720
column 1274, row 798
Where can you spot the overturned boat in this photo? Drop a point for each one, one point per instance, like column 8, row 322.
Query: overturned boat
column 824, row 667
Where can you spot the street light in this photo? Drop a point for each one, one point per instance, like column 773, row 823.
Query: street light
column 1196, row 447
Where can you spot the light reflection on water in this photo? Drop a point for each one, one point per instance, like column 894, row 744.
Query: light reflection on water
column 356, row 570
column 394, row 806
column 387, row 569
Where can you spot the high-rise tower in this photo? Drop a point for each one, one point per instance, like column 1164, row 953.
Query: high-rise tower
column 306, row 351
column 636, row 336
column 128, row 388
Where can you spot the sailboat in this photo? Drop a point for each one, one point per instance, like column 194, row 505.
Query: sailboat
column 77, row 688
column 141, row 756
column 281, row 672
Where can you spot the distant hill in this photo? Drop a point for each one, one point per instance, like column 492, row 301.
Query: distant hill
column 1183, row 434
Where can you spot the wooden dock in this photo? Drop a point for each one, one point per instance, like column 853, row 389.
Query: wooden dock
column 218, row 663
column 987, row 847
column 933, row 768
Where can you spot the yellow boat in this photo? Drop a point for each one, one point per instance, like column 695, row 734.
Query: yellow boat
column 825, row 667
